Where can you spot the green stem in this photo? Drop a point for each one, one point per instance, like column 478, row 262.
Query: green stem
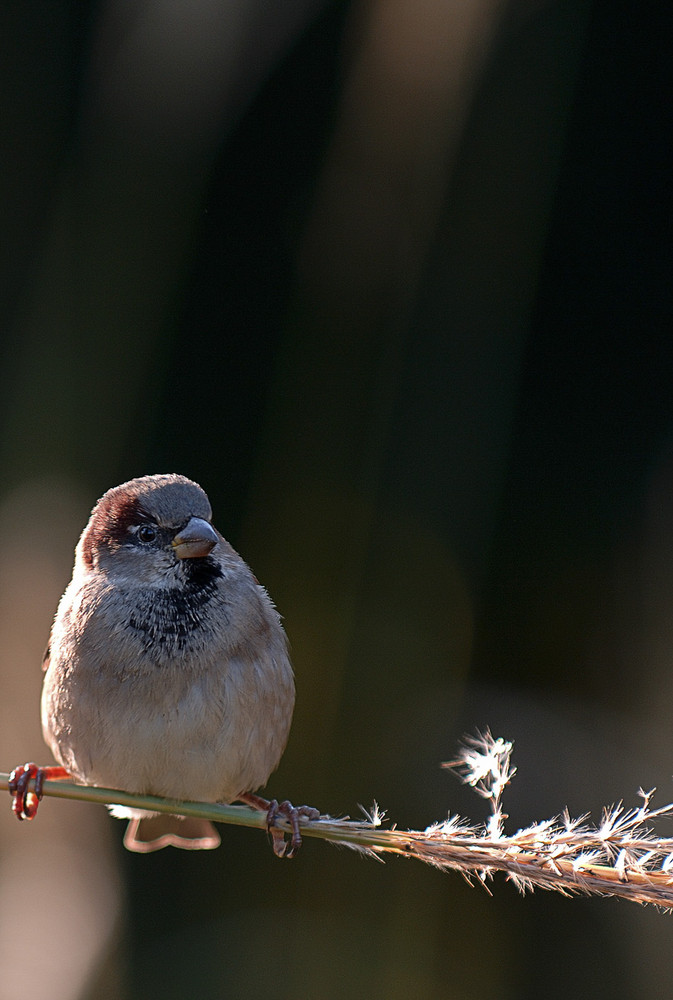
column 529, row 857
column 325, row 829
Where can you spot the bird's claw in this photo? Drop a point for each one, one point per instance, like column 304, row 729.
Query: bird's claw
column 281, row 847
column 25, row 802
column 293, row 814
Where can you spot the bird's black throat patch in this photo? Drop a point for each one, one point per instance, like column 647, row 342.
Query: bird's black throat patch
column 173, row 619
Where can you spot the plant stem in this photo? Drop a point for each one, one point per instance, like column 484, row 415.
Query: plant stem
column 619, row 857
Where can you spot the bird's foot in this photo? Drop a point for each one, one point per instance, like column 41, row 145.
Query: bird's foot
column 25, row 802
column 273, row 809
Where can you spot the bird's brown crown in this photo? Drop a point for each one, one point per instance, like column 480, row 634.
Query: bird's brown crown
column 166, row 500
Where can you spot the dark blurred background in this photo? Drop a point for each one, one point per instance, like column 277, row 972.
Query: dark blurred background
column 391, row 280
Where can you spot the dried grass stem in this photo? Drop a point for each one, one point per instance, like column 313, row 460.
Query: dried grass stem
column 620, row 856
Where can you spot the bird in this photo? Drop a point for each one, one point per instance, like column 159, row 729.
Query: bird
column 167, row 671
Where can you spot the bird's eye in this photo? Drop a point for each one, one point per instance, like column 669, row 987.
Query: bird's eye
column 146, row 533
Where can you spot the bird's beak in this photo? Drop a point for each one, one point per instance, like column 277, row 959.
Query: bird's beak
column 195, row 540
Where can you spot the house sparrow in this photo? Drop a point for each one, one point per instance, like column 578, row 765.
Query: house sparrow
column 167, row 670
